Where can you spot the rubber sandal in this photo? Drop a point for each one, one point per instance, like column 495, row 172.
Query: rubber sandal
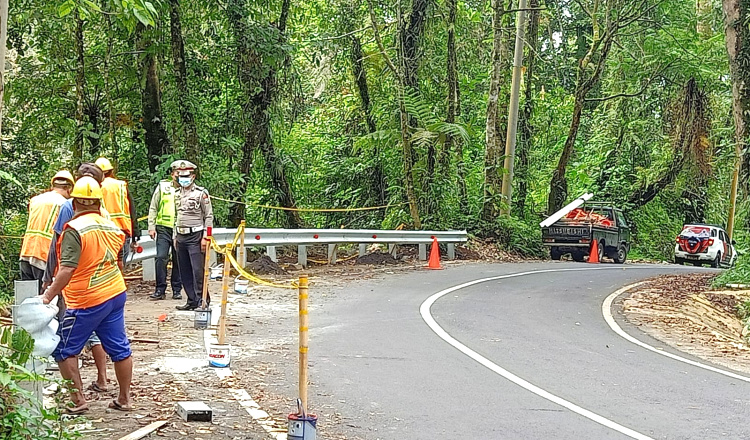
column 95, row 387
column 77, row 410
column 114, row 404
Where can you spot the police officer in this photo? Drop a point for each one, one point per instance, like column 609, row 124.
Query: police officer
column 194, row 216
column 161, row 218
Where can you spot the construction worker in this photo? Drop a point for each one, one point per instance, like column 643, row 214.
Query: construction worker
column 90, row 279
column 119, row 203
column 66, row 213
column 43, row 212
column 194, row 218
column 161, row 218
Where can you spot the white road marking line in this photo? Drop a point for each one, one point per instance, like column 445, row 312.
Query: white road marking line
column 424, row 310
column 241, row 395
column 607, row 312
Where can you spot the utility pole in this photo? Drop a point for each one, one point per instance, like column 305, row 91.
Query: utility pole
column 515, row 88
column 733, row 191
column 3, row 37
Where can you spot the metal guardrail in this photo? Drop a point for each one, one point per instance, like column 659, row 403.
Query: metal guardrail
column 270, row 238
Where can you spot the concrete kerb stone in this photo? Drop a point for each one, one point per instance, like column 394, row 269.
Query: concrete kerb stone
column 242, row 396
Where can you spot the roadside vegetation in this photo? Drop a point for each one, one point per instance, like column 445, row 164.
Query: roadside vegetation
column 22, row 416
column 339, row 105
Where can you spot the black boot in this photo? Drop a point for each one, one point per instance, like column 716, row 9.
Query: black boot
column 187, row 307
column 177, row 295
column 157, row 296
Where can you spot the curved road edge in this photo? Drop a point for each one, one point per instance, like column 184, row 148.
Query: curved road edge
column 609, row 318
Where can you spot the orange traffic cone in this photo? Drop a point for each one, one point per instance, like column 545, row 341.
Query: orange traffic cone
column 594, row 253
column 434, row 262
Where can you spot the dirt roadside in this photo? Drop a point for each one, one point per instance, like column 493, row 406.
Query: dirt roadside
column 685, row 313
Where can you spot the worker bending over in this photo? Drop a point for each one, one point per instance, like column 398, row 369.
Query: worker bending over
column 89, row 278
column 119, row 203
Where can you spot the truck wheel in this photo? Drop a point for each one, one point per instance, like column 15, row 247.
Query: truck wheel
column 717, row 260
column 578, row 256
column 601, row 250
column 679, row 261
column 622, row 254
column 555, row 253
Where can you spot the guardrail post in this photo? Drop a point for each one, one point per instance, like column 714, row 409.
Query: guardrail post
column 149, row 269
column 392, row 249
column 422, row 252
column 302, row 255
column 271, row 252
column 451, row 251
column 332, row 253
column 362, row 249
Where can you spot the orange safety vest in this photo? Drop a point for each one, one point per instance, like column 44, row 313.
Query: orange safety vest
column 97, row 277
column 43, row 212
column 116, row 202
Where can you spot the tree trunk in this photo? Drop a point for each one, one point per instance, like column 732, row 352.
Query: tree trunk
column 454, row 107
column 589, row 72
column 410, row 38
column 379, row 183
column 157, row 142
column 111, row 129
column 738, row 49
column 191, row 146
column 3, row 39
column 527, row 139
column 256, row 106
column 496, row 114
column 78, row 152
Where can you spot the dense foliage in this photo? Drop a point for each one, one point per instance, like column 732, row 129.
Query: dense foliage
column 347, row 103
column 22, row 416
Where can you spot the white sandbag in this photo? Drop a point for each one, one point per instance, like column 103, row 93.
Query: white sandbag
column 39, row 320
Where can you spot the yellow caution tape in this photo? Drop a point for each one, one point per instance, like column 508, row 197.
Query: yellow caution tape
column 282, row 208
column 243, row 273
column 303, row 329
column 303, row 349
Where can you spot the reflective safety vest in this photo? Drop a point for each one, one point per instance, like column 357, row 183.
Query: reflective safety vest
column 43, row 212
column 116, row 202
column 97, row 277
column 166, row 214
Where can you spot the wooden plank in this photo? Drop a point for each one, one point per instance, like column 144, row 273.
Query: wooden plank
column 146, row 430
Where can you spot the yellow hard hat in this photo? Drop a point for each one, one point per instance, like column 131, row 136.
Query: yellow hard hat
column 63, row 175
column 104, row 164
column 86, row 188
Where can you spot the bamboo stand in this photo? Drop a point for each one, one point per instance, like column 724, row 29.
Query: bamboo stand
column 224, row 295
column 206, row 270
column 303, row 341
column 241, row 258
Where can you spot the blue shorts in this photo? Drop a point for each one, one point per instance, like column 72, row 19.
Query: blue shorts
column 106, row 319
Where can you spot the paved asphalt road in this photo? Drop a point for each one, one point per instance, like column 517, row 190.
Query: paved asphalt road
column 392, row 377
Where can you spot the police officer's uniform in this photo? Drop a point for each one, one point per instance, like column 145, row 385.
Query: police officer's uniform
column 194, row 216
column 161, row 218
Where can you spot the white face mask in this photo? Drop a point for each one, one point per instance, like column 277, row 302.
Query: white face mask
column 184, row 181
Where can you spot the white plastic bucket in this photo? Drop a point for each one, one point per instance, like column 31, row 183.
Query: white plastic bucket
column 216, row 273
column 240, row 285
column 218, row 355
